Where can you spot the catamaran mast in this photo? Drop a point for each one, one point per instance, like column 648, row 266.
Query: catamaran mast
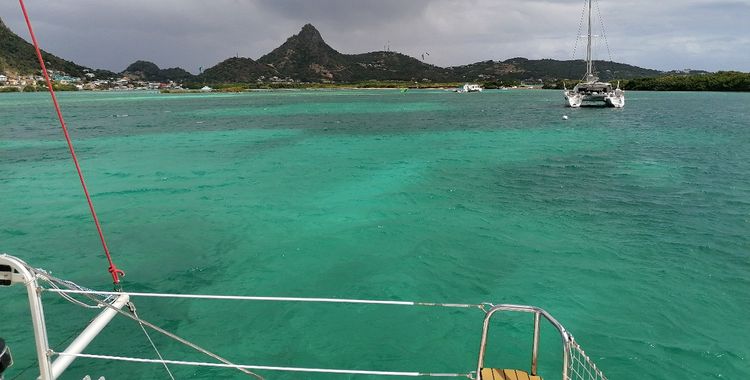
column 589, row 62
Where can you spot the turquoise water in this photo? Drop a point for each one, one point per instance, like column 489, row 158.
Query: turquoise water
column 630, row 226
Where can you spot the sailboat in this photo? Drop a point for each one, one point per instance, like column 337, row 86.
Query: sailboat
column 590, row 89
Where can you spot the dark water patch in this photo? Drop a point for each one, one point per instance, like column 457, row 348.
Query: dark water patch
column 13, row 232
column 141, row 191
column 118, row 174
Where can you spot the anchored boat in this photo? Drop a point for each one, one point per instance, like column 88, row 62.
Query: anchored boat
column 590, row 89
column 469, row 87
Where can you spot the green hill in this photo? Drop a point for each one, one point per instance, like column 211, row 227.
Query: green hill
column 384, row 65
column 721, row 81
column 307, row 57
column 237, row 69
column 149, row 71
column 18, row 56
column 547, row 70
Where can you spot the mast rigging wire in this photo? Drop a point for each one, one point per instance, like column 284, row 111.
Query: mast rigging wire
column 580, row 26
column 604, row 31
column 113, row 270
column 131, row 306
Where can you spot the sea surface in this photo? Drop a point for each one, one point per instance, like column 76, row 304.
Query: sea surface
column 630, row 226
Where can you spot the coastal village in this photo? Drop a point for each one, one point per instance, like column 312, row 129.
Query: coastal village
column 30, row 83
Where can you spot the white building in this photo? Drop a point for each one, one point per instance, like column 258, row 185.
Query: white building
column 3, row 78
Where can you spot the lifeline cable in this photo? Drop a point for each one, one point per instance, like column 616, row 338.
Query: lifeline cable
column 87, row 292
column 113, row 270
column 469, row 375
column 91, row 294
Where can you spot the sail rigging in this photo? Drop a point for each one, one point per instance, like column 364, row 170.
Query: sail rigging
column 590, row 90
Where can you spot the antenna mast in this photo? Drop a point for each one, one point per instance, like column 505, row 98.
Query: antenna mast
column 589, row 62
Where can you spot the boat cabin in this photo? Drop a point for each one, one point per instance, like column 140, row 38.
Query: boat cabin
column 594, row 88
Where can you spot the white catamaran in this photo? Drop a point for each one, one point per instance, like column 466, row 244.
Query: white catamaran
column 590, row 89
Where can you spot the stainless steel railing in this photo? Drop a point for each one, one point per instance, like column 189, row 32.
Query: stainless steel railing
column 566, row 338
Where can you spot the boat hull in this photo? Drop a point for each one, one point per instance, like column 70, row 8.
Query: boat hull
column 573, row 100
column 615, row 99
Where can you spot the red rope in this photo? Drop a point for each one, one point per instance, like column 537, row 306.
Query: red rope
column 116, row 273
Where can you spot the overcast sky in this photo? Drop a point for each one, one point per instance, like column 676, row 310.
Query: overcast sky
column 659, row 34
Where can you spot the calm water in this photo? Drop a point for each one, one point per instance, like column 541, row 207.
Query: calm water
column 630, row 226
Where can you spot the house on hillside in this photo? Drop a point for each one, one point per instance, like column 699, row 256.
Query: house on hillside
column 3, row 79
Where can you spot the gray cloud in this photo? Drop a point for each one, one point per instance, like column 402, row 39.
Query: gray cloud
column 669, row 34
column 348, row 14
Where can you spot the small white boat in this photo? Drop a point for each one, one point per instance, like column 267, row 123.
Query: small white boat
column 590, row 89
column 469, row 87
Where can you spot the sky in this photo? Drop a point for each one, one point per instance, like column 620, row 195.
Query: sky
column 664, row 35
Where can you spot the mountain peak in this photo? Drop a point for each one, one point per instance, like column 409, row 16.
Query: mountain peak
column 306, row 56
column 143, row 66
column 310, row 34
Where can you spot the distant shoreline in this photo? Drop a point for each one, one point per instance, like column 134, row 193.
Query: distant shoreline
column 718, row 82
